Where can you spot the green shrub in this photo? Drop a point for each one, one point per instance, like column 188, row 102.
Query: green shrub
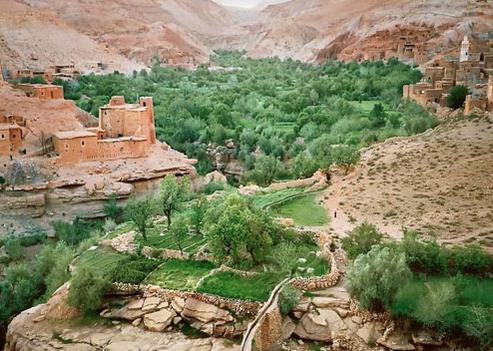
column 470, row 259
column 71, row 234
column 112, row 210
column 87, row 289
column 424, row 256
column 457, row 96
column 361, row 239
column 374, row 278
column 288, row 298
column 479, row 325
column 212, row 187
column 14, row 249
column 437, row 307
column 56, row 262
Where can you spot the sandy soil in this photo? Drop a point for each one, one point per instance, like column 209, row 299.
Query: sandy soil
column 438, row 182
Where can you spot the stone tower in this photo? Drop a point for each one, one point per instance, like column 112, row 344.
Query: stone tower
column 464, row 50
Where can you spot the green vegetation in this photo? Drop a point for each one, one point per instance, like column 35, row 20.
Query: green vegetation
column 291, row 112
column 266, row 200
column 361, row 239
column 140, row 211
column 236, row 231
column 451, row 289
column 457, row 96
column 101, row 260
column 180, row 275
column 303, row 210
column 232, row 285
column 375, row 277
column 288, row 299
column 87, row 289
column 172, row 193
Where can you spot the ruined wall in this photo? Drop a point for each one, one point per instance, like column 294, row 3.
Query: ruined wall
column 49, row 92
column 89, row 148
column 474, row 102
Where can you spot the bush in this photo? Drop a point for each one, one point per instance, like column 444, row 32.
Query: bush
column 56, row 262
column 375, row 277
column 470, row 259
column 71, row 234
column 112, row 210
column 87, row 289
column 212, row 187
column 479, row 325
column 457, row 96
column 288, row 298
column 424, row 256
column 14, row 249
column 436, row 308
column 361, row 239
column 109, row 225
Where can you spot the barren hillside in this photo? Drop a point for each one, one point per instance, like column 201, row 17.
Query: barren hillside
column 39, row 32
column 176, row 31
column 439, row 182
column 37, row 38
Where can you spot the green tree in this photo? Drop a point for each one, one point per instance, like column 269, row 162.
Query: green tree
column 374, row 278
column 140, row 212
column 179, row 232
column 172, row 194
column 345, row 157
column 233, row 228
column 361, row 239
column 199, row 208
column 457, row 96
column 266, row 169
column 378, row 115
column 87, row 289
column 112, row 210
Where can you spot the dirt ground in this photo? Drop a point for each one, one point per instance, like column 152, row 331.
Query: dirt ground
column 439, row 182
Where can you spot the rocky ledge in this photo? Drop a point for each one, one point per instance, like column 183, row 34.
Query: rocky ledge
column 56, row 326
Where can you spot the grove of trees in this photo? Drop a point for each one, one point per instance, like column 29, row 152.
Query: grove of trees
column 286, row 118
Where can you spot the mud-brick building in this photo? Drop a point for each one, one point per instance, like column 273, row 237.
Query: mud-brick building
column 125, row 131
column 42, row 91
column 10, row 138
column 119, row 119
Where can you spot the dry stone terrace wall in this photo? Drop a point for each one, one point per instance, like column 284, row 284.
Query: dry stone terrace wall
column 239, row 307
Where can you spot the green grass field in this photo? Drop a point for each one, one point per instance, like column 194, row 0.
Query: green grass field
column 102, row 260
column 267, row 199
column 228, row 284
column 303, row 210
column 154, row 239
column 179, row 275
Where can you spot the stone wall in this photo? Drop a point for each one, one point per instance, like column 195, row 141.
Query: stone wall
column 239, row 307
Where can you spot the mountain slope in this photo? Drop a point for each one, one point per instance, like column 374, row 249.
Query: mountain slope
column 438, row 182
column 37, row 39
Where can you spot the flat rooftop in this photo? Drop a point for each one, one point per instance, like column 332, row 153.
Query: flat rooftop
column 74, row 134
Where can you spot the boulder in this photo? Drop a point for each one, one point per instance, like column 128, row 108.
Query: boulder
column 160, row 320
column 319, row 325
column 288, row 328
column 151, row 303
column 325, row 302
column 178, row 304
column 136, row 304
column 204, row 312
column 396, row 343
column 427, row 338
column 123, row 313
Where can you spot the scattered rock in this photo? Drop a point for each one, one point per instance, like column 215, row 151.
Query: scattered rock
column 205, row 312
column 160, row 320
